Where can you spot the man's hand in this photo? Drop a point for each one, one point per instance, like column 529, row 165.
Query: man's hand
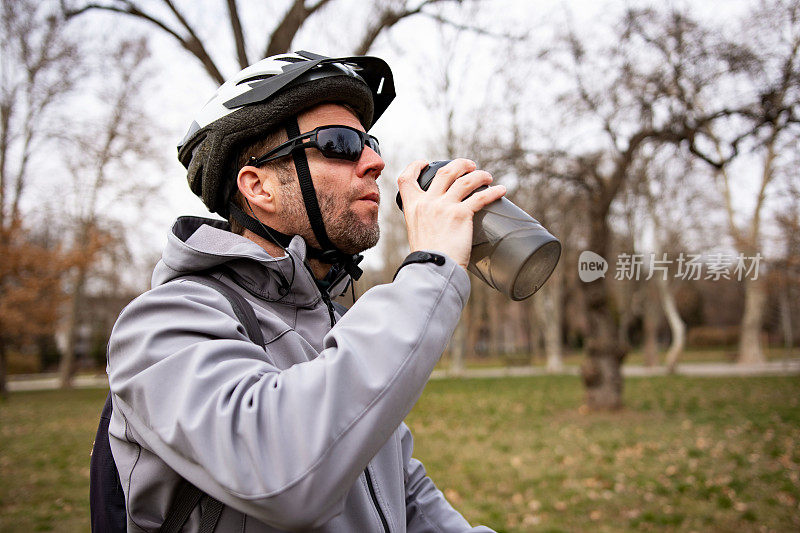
column 440, row 219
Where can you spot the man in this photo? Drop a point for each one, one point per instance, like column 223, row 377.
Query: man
column 306, row 431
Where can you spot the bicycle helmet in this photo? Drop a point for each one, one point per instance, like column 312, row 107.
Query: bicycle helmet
column 268, row 95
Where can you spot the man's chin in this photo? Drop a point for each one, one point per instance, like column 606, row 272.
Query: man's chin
column 357, row 248
column 356, row 242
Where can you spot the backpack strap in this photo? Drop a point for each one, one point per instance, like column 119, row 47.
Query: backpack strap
column 185, row 501
column 210, row 510
column 244, row 311
column 188, row 496
column 106, row 498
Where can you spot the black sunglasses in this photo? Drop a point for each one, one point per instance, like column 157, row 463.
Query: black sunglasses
column 334, row 142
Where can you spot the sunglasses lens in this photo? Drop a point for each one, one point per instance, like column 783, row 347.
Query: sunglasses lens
column 372, row 142
column 339, row 143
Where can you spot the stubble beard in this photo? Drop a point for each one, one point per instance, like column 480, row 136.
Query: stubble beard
column 344, row 227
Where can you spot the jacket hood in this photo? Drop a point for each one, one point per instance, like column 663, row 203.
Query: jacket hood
column 197, row 244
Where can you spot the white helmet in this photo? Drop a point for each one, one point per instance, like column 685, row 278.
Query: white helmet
column 261, row 97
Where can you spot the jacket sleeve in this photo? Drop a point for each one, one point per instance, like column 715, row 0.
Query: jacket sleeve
column 282, row 446
column 427, row 510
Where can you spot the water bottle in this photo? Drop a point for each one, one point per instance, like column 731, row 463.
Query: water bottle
column 511, row 251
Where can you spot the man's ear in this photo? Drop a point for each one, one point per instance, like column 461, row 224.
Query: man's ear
column 256, row 186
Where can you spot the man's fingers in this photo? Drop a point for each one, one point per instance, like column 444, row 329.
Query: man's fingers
column 481, row 199
column 456, row 181
column 449, row 173
column 466, row 184
column 407, row 180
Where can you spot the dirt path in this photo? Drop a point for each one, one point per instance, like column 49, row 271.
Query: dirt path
column 773, row 368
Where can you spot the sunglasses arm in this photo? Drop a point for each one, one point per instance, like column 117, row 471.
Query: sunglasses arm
column 283, row 149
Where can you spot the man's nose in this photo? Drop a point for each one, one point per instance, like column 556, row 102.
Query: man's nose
column 370, row 163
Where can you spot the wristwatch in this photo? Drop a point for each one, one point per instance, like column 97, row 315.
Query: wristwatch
column 420, row 257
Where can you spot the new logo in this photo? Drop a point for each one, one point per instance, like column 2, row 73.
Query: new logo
column 591, row 266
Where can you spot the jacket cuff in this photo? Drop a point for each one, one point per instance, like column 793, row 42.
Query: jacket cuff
column 451, row 271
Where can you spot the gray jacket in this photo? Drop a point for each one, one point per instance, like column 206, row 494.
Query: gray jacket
column 308, row 435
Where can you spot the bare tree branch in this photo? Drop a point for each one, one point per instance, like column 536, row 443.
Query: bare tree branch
column 391, row 16
column 238, row 33
column 288, row 27
column 386, row 19
column 191, row 43
column 131, row 10
column 195, row 45
column 576, row 52
column 559, row 165
column 474, row 29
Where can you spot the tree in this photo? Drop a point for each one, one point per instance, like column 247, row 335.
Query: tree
column 31, row 273
column 670, row 203
column 787, row 269
column 106, row 150
column 177, row 24
column 41, row 66
column 765, row 135
column 642, row 90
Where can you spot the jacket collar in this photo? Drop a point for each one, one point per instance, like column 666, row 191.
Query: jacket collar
column 197, row 244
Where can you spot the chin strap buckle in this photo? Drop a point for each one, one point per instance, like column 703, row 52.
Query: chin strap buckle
column 335, row 257
column 352, row 268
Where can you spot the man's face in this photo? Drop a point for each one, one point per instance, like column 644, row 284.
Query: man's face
column 347, row 191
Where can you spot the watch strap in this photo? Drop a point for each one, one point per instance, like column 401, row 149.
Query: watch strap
column 420, row 257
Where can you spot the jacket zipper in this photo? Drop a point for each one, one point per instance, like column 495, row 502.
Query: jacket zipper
column 327, row 299
column 375, row 500
column 325, row 296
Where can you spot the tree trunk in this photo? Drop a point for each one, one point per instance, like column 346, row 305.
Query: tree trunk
column 650, row 320
column 66, row 367
column 527, row 328
column 477, row 316
column 755, row 296
column 535, row 329
column 496, row 344
column 786, row 319
column 457, row 346
column 627, row 315
column 548, row 309
column 677, row 327
column 3, row 387
column 511, row 330
column 602, row 371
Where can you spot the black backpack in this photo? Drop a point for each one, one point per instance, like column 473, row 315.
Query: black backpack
column 106, row 499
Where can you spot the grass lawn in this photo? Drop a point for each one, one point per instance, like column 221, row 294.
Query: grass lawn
column 515, row 454
column 45, row 442
column 725, row 354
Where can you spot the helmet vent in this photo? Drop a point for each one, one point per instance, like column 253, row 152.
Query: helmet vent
column 255, row 78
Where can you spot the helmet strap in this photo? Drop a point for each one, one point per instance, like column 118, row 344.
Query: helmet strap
column 349, row 262
column 258, row 227
column 329, row 253
column 307, row 188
